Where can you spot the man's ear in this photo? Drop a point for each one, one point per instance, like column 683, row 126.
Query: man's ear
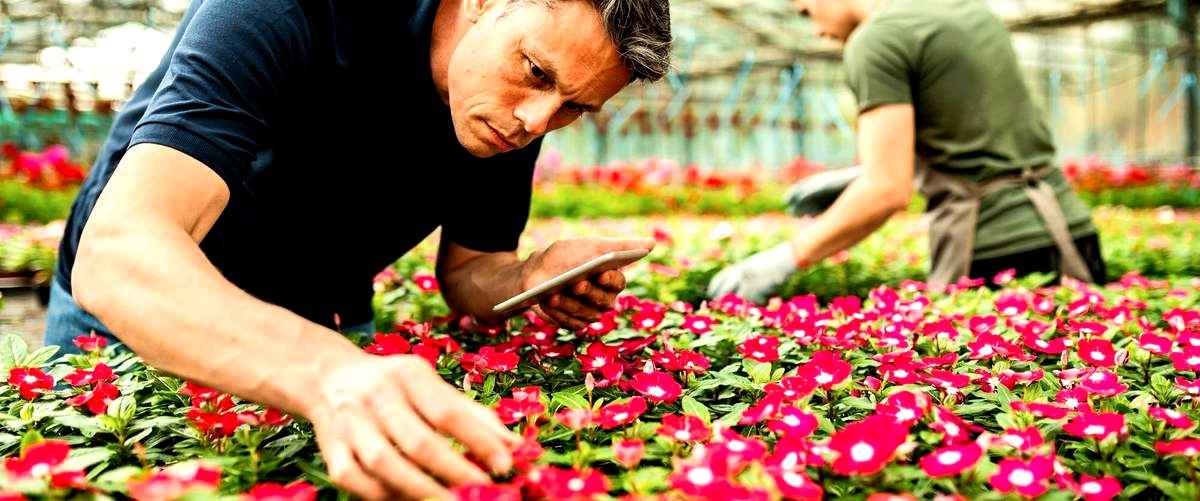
column 475, row 9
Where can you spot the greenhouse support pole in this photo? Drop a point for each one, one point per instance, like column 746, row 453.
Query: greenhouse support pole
column 1188, row 27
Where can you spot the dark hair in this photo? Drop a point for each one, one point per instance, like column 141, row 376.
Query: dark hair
column 641, row 30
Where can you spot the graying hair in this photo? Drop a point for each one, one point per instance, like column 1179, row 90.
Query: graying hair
column 641, row 30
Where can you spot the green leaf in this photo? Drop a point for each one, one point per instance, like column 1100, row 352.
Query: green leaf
column 734, row 416
column 570, row 400
column 29, row 438
column 86, row 425
column 137, row 437
column 123, row 408
column 40, row 356
column 116, row 479
column 489, row 384
column 81, row 459
column 12, row 351
column 760, row 372
column 695, row 408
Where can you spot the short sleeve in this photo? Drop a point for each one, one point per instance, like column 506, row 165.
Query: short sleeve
column 225, row 79
column 488, row 212
column 879, row 61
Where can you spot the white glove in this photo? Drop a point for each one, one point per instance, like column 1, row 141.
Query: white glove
column 758, row 277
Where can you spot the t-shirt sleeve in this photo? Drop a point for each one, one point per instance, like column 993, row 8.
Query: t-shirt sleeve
column 879, row 62
column 226, row 75
column 488, row 212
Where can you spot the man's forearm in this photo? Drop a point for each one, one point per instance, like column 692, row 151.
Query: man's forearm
column 858, row 212
column 162, row 297
column 475, row 286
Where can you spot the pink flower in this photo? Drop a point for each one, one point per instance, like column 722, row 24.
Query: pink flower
column 574, row 419
column 684, row 428
column 487, row 492
column 704, row 480
column 90, row 342
column 572, row 484
column 1004, row 277
column 1027, row 478
column 1040, row 409
column 599, row 357
column 1189, row 447
column 792, row 388
column 905, row 407
column 512, row 410
column 826, row 368
column 1154, row 343
column 30, row 381
column 689, row 361
column 698, row 324
column 1096, row 426
column 647, row 319
column 1097, row 352
column 295, row 491
column 1171, row 417
column 1098, row 489
column 174, row 482
column 616, row 415
column 1102, row 382
column 866, row 446
column 657, row 386
column 628, row 452
column 761, row 348
column 736, row 450
column 794, row 421
column 954, row 429
column 603, row 325
column 1187, row 359
column 951, row 460
column 763, row 409
column 1073, row 399
column 1024, row 440
column 426, row 282
column 1188, row 386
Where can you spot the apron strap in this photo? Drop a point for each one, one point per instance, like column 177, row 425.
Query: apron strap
column 1046, row 204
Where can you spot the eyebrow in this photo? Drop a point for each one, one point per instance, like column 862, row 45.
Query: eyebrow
column 548, row 67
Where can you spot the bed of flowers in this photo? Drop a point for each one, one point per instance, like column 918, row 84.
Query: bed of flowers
column 1133, row 184
column 37, row 186
column 29, row 250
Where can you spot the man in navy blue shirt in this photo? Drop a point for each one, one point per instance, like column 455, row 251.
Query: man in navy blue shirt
column 286, row 150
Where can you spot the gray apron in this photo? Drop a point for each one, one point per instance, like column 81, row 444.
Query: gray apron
column 954, row 211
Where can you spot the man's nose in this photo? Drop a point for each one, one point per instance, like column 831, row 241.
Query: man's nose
column 536, row 113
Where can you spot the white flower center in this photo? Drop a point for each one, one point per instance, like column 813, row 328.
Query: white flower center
column 575, row 484
column 759, row 354
column 862, row 452
column 700, row 476
column 1096, row 377
column 30, row 379
column 1094, row 429
column 1021, row 477
column 620, row 416
column 1072, row 402
column 1193, row 360
column 1097, row 356
column 1014, row 440
column 698, row 325
column 649, row 322
column 682, row 435
column 951, row 429
column 791, row 420
column 39, row 470
column 824, row 378
column 598, row 362
column 1091, row 488
column 737, row 446
column 901, row 373
column 794, row 479
column 949, row 457
column 655, row 391
column 905, row 415
column 1173, row 414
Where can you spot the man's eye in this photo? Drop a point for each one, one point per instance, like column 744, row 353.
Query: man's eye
column 535, row 71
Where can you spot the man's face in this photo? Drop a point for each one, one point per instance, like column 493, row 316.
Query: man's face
column 832, row 19
column 522, row 71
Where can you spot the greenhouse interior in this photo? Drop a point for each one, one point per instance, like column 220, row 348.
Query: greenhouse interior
column 700, row 249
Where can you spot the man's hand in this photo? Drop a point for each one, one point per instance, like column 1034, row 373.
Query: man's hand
column 758, row 276
column 379, row 423
column 579, row 303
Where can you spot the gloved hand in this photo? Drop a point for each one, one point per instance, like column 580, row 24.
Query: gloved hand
column 757, row 277
column 817, row 192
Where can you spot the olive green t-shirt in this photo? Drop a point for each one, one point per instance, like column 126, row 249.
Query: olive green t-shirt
column 953, row 60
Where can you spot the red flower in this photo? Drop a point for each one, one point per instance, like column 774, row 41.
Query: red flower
column 1187, row 359
column 763, row 409
column 69, row 480
column 866, row 446
column 698, row 324
column 99, row 374
column 628, row 452
column 574, row 419
column 792, row 388
column 795, row 485
column 97, row 399
column 1074, row 399
column 1027, row 478
column 794, row 422
column 1189, row 447
column 951, row 460
column 1188, row 386
column 38, row 461
column 617, row 415
column 173, row 482
column 388, row 344
column 1097, row 352
column 684, row 428
column 1102, row 382
column 295, row 491
column 426, row 282
column 1004, row 277
column 706, row 480
column 1171, row 417
column 90, row 342
column 603, row 325
column 489, row 359
column 512, row 410
column 1096, row 425
column 647, row 318
column 954, row 429
column 572, row 484
column 1098, row 489
column 487, row 492
column 1023, row 440
column 200, row 394
column 657, row 386
column 1040, row 409
column 905, row 407
column 735, row 450
column 30, row 381
column 826, row 368
column 761, row 348
column 599, row 357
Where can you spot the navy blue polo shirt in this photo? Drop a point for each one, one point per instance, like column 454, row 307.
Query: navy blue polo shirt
column 340, row 156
